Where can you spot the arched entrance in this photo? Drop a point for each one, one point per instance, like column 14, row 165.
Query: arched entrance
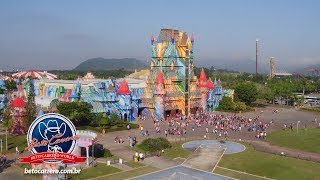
column 125, row 117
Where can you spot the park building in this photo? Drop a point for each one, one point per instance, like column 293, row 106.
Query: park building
column 168, row 88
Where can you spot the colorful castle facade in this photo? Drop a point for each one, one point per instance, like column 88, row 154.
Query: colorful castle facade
column 170, row 88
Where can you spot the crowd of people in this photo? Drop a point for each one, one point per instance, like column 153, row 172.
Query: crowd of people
column 217, row 124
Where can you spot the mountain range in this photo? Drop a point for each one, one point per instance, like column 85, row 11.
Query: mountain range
column 100, row 64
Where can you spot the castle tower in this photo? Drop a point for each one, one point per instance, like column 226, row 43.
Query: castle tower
column 172, row 54
column 203, row 89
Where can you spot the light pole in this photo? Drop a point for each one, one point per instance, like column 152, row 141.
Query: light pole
column 298, row 126
column 6, row 139
column 257, row 41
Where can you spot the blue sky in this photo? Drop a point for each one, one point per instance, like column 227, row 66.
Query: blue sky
column 61, row 34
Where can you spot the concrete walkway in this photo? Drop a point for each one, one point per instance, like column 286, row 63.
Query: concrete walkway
column 295, row 153
column 205, row 159
column 123, row 150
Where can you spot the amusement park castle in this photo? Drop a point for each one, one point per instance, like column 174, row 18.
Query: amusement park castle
column 170, row 86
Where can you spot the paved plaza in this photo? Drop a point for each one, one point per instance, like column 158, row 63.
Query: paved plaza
column 200, row 164
column 181, row 173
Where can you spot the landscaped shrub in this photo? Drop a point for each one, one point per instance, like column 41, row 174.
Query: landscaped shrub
column 154, row 144
column 107, row 153
column 100, row 151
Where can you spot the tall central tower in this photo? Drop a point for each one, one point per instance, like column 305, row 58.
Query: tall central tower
column 172, row 55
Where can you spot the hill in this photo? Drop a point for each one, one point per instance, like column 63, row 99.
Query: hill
column 99, row 64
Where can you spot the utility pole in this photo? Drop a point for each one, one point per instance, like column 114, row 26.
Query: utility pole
column 257, row 41
column 6, row 139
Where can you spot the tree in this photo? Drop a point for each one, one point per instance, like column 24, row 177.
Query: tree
column 11, row 85
column 240, row 106
column 317, row 84
column 7, row 119
column 268, row 95
column 78, row 112
column 246, row 92
column 226, row 104
column 31, row 107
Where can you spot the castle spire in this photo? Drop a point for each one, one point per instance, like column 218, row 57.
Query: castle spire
column 159, row 78
column 203, row 79
column 172, row 36
column 152, row 39
column 210, row 84
column 192, row 38
column 203, row 76
column 124, row 89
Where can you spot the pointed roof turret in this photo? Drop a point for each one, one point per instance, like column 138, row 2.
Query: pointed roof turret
column 159, row 78
column 192, row 38
column 203, row 79
column 172, row 36
column 124, row 88
column 210, row 84
column 152, row 39
column 19, row 103
column 215, row 81
column 203, row 76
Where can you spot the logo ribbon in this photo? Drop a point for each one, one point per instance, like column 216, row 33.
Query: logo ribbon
column 66, row 158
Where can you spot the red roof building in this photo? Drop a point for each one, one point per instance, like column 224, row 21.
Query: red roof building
column 210, row 84
column 124, row 88
column 18, row 102
column 202, row 79
column 159, row 79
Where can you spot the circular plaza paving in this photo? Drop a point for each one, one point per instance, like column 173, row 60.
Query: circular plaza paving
column 230, row 147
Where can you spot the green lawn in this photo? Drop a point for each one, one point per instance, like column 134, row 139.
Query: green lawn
column 269, row 165
column 13, row 142
column 176, row 151
column 134, row 164
column 99, row 170
column 237, row 175
column 304, row 139
column 130, row 174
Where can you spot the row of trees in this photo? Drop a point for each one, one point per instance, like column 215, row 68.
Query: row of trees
column 80, row 113
column 72, row 75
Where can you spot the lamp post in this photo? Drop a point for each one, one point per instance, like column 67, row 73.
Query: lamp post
column 257, row 41
column 6, row 139
column 298, row 126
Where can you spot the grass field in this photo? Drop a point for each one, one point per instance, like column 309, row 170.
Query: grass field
column 304, row 139
column 130, row 174
column 13, row 142
column 269, row 165
column 176, row 151
column 99, row 170
column 237, row 175
column 134, row 164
